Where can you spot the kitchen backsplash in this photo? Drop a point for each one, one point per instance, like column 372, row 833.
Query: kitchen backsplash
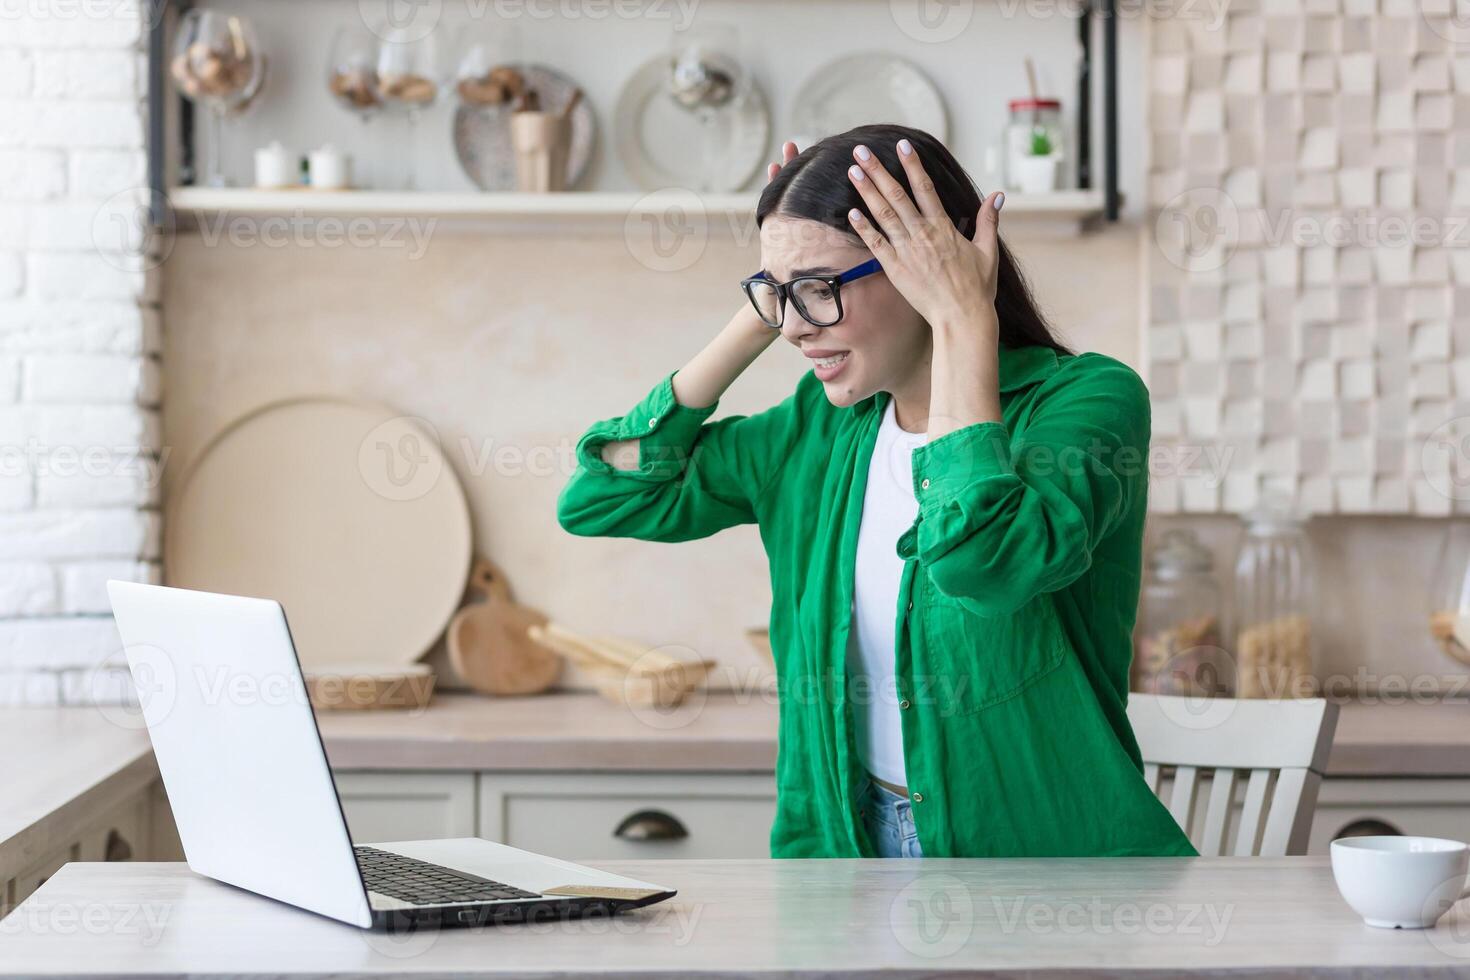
column 511, row 347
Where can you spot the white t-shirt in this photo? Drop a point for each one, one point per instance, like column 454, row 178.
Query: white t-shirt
column 889, row 509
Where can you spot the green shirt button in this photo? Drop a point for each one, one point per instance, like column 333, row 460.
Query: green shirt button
column 924, row 485
column 918, row 797
column 904, row 704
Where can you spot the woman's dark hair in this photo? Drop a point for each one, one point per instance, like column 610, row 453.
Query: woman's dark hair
column 815, row 186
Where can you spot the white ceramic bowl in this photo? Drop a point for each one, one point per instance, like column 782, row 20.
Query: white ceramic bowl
column 1400, row 882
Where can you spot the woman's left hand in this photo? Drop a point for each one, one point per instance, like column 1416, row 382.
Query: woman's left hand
column 949, row 279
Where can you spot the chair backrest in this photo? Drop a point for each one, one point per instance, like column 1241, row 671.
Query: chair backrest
column 1279, row 747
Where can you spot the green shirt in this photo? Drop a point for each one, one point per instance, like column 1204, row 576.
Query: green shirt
column 1020, row 586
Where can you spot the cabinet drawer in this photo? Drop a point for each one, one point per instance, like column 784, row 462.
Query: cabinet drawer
column 639, row 815
column 1422, row 807
column 1419, row 807
column 389, row 806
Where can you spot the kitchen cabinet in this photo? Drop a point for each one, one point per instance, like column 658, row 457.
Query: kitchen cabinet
column 124, row 831
column 1419, row 807
column 568, row 814
column 389, row 806
column 1360, row 807
column 601, row 816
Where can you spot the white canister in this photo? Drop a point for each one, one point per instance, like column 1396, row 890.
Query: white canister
column 274, row 166
column 330, row 168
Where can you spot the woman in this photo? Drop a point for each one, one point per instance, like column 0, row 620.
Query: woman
column 952, row 505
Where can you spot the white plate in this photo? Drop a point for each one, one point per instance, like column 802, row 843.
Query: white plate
column 860, row 89
column 662, row 145
column 347, row 514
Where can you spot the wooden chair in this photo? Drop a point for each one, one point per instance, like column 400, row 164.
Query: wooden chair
column 1282, row 745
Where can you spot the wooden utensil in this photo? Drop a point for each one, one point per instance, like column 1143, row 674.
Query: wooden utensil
column 370, row 687
column 626, row 672
column 489, row 643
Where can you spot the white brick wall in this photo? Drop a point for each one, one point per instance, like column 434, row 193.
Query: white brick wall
column 79, row 383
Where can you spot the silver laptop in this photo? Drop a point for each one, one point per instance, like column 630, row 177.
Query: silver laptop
column 242, row 761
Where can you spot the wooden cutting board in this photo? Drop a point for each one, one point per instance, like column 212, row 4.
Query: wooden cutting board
column 489, row 643
column 346, row 513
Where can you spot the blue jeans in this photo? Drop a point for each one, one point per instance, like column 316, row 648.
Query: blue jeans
column 889, row 821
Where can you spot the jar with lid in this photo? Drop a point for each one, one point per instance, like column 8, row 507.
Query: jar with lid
column 1273, row 607
column 1176, row 644
column 1034, row 148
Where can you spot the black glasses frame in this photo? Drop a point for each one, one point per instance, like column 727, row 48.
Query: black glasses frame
column 786, row 289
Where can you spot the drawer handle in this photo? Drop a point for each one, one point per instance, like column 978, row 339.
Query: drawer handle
column 649, row 825
column 1369, row 827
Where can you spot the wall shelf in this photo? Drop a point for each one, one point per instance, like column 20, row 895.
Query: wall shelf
column 1063, row 210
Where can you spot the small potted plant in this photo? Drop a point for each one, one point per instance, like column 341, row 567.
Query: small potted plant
column 1038, row 168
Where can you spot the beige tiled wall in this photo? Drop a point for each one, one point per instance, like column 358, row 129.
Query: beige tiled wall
column 1310, row 170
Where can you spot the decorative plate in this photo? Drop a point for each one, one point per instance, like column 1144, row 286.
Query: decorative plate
column 865, row 88
column 663, row 145
column 482, row 133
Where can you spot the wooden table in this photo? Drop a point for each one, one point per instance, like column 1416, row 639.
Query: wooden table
column 900, row 919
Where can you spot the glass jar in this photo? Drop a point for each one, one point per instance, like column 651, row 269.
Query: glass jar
column 1449, row 609
column 1034, row 148
column 1176, row 645
column 1274, row 605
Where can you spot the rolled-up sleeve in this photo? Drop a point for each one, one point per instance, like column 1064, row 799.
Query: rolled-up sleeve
column 1002, row 521
column 694, row 477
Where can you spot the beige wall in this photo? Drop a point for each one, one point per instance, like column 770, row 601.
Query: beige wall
column 521, row 343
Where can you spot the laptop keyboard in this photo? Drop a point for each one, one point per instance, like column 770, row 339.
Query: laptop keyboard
column 422, row 883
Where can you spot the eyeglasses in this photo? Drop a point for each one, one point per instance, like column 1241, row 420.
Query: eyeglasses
column 817, row 298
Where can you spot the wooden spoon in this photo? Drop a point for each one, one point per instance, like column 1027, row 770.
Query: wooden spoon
column 489, row 644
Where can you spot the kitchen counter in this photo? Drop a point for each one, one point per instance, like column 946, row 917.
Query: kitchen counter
column 723, row 732
column 63, row 765
column 712, row 732
column 1098, row 917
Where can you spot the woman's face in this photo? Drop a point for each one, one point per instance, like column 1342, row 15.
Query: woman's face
column 879, row 343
